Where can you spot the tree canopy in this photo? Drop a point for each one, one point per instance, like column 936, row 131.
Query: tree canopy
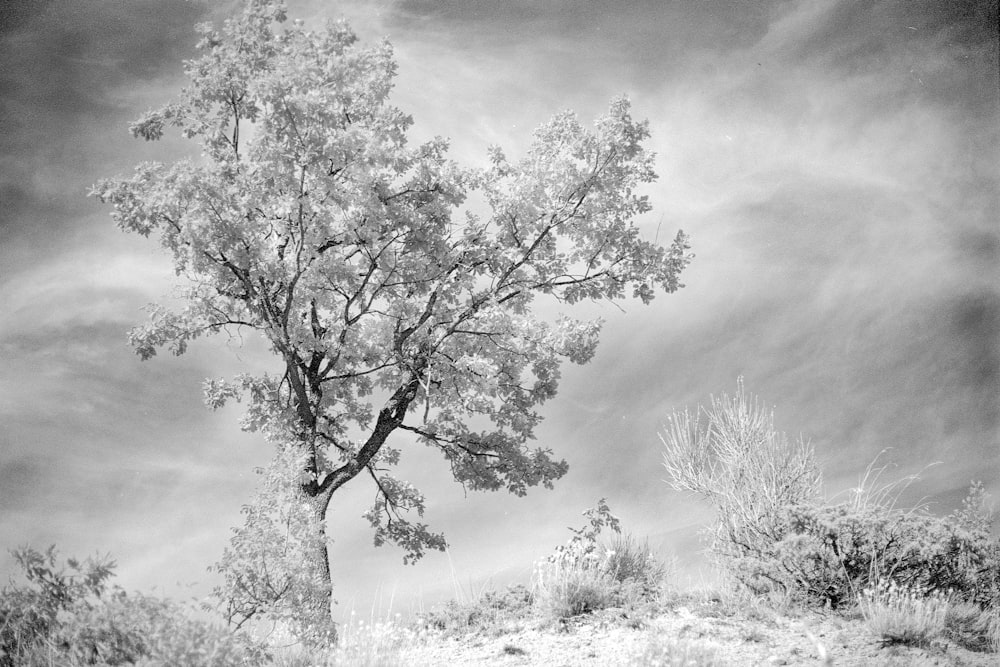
column 392, row 303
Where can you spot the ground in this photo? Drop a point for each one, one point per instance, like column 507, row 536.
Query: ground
column 699, row 634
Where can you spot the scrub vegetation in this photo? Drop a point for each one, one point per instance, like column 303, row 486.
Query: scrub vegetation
column 861, row 581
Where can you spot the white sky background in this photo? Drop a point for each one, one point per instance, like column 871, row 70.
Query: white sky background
column 835, row 163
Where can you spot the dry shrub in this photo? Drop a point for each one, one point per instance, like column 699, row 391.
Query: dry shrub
column 731, row 454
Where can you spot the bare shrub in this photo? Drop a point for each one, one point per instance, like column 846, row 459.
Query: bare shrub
column 731, row 454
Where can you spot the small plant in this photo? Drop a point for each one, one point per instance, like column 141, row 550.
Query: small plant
column 511, row 649
column 903, row 615
column 993, row 630
column 574, row 582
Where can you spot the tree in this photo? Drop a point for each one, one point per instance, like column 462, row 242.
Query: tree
column 392, row 305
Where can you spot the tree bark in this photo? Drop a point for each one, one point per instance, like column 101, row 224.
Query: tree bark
column 389, row 419
column 322, row 502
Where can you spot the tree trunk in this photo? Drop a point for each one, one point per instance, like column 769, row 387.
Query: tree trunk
column 322, row 503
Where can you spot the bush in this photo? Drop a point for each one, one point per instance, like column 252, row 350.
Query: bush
column 829, row 553
column 274, row 570
column 69, row 615
column 31, row 615
column 492, row 612
column 774, row 533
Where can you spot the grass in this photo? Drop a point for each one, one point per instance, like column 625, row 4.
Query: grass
column 585, row 576
column 630, row 560
column 377, row 643
column 574, row 582
column 973, row 628
column 903, row 615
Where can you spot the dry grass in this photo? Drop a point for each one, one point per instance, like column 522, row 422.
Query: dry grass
column 376, row 643
column 902, row 615
column 573, row 582
column 973, row 628
column 631, row 560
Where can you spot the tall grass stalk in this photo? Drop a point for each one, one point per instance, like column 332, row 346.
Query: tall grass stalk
column 872, row 494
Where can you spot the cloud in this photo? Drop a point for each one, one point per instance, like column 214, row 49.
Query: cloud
column 62, row 109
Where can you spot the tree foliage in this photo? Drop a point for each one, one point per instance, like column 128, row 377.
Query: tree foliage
column 392, row 303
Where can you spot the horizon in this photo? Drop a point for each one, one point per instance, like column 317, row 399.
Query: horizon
column 835, row 164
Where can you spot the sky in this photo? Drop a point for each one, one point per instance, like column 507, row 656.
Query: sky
column 835, row 163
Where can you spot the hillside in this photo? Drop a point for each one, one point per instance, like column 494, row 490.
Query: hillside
column 696, row 629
